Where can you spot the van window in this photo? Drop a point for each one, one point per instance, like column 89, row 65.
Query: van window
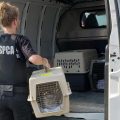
column 93, row 19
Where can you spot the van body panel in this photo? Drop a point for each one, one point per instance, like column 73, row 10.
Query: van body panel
column 114, row 67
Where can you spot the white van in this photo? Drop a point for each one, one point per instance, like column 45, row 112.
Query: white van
column 59, row 26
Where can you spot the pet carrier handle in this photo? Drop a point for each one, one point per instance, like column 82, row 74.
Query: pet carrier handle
column 46, row 69
column 46, row 64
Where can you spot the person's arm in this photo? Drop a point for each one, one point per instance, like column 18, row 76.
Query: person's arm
column 30, row 54
column 38, row 60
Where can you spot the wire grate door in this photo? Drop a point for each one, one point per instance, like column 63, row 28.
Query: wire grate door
column 49, row 97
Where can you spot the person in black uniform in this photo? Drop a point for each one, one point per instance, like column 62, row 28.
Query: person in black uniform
column 15, row 51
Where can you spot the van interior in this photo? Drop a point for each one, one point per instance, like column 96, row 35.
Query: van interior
column 84, row 26
column 55, row 26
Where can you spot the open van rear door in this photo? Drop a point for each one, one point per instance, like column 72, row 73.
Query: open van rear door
column 113, row 103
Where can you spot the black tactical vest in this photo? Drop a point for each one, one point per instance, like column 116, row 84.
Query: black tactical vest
column 12, row 68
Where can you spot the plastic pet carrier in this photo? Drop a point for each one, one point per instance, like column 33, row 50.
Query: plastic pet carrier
column 97, row 75
column 77, row 61
column 49, row 93
column 76, row 65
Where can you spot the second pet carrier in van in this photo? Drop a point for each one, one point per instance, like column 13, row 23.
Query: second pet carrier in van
column 76, row 65
column 77, row 61
column 97, row 75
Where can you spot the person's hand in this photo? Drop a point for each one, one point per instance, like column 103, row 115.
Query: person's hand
column 46, row 64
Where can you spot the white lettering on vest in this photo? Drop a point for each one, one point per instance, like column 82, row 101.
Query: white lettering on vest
column 9, row 50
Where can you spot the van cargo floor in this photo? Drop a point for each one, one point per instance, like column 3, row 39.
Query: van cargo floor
column 86, row 102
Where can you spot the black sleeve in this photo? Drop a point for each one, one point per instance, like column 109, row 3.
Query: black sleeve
column 26, row 47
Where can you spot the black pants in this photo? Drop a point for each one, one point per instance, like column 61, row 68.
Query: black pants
column 15, row 107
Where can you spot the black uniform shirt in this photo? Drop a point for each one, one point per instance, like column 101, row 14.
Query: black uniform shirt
column 23, row 43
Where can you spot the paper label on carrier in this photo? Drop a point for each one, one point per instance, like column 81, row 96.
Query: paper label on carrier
column 48, row 74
